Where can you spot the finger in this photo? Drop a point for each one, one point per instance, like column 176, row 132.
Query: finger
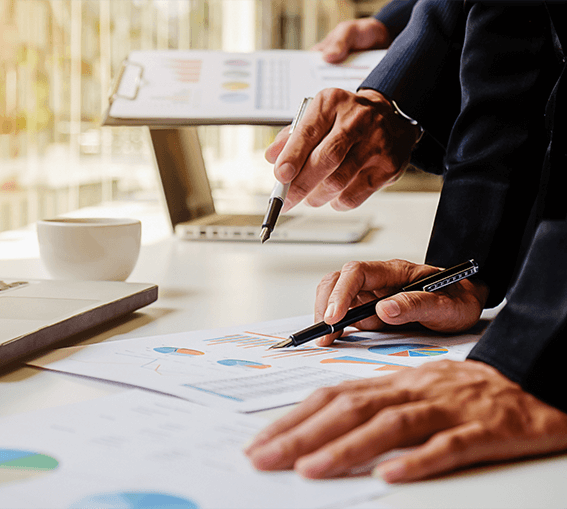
column 274, row 150
column 323, row 292
column 371, row 323
column 440, row 311
column 314, row 126
column 313, row 403
column 368, row 180
column 346, row 411
column 448, row 450
column 317, row 400
column 334, row 184
column 396, row 426
column 380, row 278
column 336, row 46
column 326, row 157
column 351, row 281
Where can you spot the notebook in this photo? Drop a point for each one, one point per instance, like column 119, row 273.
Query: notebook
column 191, row 208
column 36, row 314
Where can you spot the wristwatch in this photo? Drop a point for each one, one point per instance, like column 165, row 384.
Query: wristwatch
column 412, row 121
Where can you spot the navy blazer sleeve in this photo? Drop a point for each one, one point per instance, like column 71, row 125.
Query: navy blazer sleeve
column 395, row 15
column 478, row 85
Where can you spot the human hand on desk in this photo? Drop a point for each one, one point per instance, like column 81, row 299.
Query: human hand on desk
column 347, row 146
column 353, row 35
column 453, row 309
column 456, row 413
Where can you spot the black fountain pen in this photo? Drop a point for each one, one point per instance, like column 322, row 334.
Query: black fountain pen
column 429, row 284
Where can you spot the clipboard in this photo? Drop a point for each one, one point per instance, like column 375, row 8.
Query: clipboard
column 174, row 88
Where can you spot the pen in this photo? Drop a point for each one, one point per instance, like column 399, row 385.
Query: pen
column 279, row 192
column 429, row 284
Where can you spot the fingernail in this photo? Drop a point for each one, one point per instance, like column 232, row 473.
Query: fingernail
column 286, row 172
column 330, row 312
column 391, row 308
column 392, row 471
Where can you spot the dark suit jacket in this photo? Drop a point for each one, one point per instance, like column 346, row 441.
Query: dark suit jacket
column 486, row 81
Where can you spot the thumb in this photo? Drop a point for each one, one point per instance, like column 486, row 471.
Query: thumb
column 336, row 52
column 434, row 311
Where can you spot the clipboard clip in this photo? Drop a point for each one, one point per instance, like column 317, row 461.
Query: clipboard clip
column 125, row 65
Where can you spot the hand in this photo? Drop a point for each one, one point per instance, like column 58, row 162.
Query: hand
column 453, row 309
column 456, row 413
column 347, row 146
column 353, row 35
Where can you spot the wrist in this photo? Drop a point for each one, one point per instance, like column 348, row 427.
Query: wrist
column 404, row 119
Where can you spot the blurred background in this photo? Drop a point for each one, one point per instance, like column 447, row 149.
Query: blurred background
column 57, row 62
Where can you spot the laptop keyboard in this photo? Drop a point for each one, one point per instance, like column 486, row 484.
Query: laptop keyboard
column 8, row 286
column 254, row 220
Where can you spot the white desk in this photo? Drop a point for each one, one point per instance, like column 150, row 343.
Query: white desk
column 208, row 284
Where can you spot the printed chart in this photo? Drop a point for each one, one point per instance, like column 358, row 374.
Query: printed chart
column 409, row 350
column 234, row 367
column 18, row 465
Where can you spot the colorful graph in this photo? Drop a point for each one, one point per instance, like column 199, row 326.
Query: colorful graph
column 177, row 351
column 255, row 340
column 186, row 71
column 314, row 351
column 243, row 364
column 17, row 465
column 347, row 359
column 235, row 85
column 134, row 500
column 409, row 350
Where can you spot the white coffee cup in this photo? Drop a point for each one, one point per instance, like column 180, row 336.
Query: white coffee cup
column 89, row 248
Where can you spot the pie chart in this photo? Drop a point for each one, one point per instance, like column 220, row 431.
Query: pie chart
column 134, row 500
column 243, row 363
column 409, row 350
column 177, row 351
column 17, row 464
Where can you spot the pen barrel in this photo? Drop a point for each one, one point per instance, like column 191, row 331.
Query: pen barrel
column 315, row 331
column 358, row 313
column 272, row 213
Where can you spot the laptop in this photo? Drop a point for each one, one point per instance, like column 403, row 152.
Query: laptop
column 36, row 314
column 191, row 208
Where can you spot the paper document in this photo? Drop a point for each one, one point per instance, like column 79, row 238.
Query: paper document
column 140, row 450
column 217, row 87
column 233, row 368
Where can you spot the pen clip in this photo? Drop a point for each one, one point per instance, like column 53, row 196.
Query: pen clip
column 453, row 278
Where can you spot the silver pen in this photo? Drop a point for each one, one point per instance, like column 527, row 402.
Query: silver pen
column 279, row 192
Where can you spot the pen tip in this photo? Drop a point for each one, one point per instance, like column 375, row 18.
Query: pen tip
column 264, row 234
column 281, row 344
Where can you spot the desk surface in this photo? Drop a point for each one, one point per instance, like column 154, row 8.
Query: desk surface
column 250, row 283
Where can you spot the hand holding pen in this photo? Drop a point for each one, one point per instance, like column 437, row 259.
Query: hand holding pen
column 279, row 192
column 455, row 309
